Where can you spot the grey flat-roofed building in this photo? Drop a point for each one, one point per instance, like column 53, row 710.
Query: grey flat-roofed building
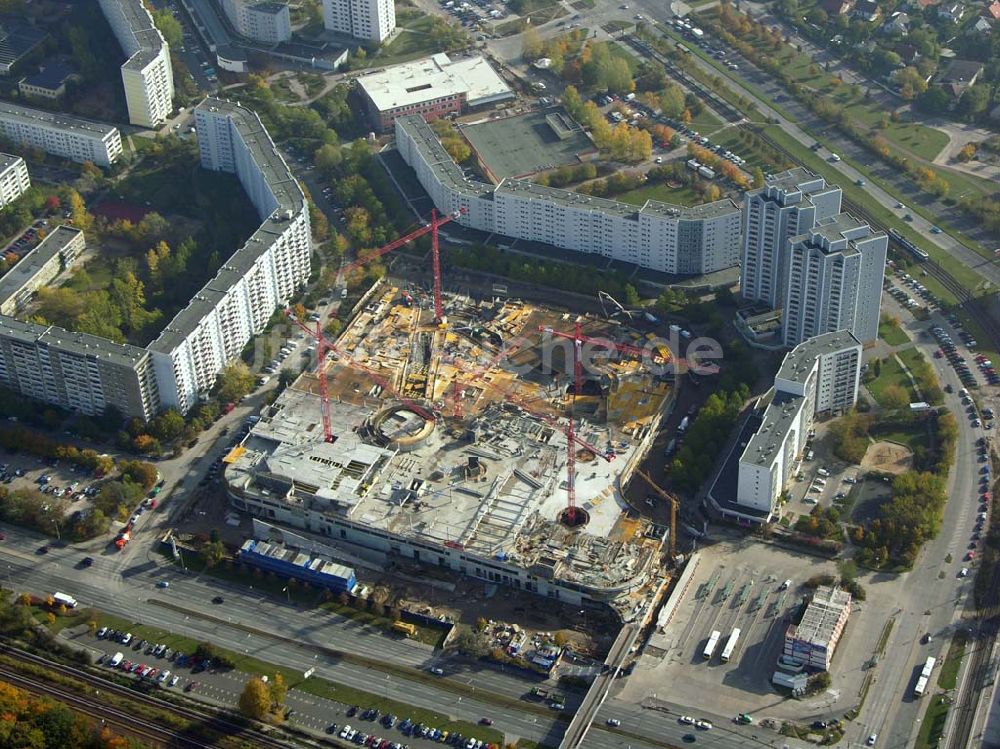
column 237, row 303
column 812, row 641
column 788, row 204
column 17, row 41
column 147, row 75
column 49, row 82
column 61, row 135
column 834, row 280
column 672, row 239
column 14, row 178
column 39, row 267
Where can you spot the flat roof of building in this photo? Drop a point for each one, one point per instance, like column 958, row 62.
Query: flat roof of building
column 432, row 78
column 793, row 186
column 270, row 8
column 524, row 144
column 17, row 40
column 52, row 76
column 32, row 116
column 24, row 270
column 147, row 37
column 426, row 141
column 837, row 229
column 80, row 344
column 7, row 160
column 798, row 362
column 822, row 615
column 780, row 414
column 290, row 200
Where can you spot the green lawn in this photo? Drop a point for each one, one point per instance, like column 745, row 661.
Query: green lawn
column 912, row 358
column 661, row 192
column 705, row 122
column 913, row 440
column 948, row 675
column 892, row 334
column 294, row 679
column 416, row 39
column 892, row 374
column 932, row 727
column 620, row 52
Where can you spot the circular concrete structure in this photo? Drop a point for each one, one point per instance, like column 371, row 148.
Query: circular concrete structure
column 401, row 427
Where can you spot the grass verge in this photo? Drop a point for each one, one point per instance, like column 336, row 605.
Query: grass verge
column 892, row 374
column 932, row 727
column 892, row 334
column 948, row 675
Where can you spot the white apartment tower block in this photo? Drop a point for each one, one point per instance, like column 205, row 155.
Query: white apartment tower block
column 61, row 135
column 268, row 22
column 14, row 179
column 147, row 74
column 787, row 205
column 819, row 376
column 663, row 237
column 368, row 20
column 834, row 280
column 260, row 277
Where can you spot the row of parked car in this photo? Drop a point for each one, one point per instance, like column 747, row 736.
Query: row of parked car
column 949, row 350
column 408, row 727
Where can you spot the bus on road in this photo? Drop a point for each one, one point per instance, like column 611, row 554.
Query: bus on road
column 924, row 678
column 713, row 642
column 727, row 652
column 61, row 599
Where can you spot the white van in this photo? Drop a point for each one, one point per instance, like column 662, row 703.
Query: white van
column 115, row 660
column 822, row 472
column 786, row 585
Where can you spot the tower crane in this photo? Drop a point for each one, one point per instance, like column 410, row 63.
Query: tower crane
column 573, row 441
column 674, row 507
column 323, row 345
column 435, row 223
column 578, row 339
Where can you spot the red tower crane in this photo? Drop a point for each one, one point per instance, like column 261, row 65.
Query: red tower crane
column 435, row 223
column 579, row 339
column 323, row 345
column 572, row 442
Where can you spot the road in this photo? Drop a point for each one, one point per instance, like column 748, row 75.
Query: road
column 133, row 595
column 804, row 128
column 931, row 597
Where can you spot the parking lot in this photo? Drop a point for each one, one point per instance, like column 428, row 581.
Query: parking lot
column 204, row 679
column 740, row 584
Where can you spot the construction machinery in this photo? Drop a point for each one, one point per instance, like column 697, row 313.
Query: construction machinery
column 435, row 223
column 674, row 504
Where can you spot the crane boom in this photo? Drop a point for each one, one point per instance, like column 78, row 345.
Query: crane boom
column 435, row 223
column 673, row 502
column 323, row 344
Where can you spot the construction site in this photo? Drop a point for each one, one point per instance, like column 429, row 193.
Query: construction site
column 488, row 437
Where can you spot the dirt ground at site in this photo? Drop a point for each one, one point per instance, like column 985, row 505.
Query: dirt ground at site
column 888, row 457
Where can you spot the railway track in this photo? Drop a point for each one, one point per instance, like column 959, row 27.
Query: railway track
column 130, row 722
